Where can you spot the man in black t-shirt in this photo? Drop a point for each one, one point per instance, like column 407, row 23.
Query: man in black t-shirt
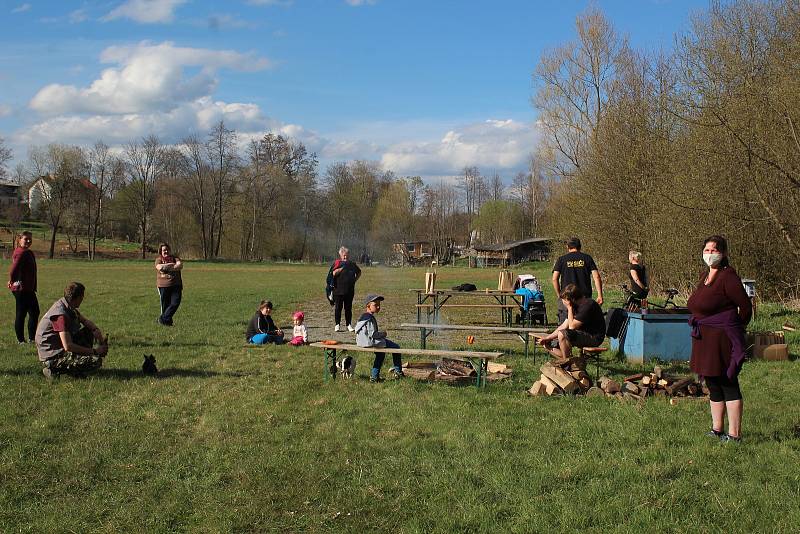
column 585, row 325
column 577, row 268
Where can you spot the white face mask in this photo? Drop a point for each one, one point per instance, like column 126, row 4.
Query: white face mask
column 712, row 260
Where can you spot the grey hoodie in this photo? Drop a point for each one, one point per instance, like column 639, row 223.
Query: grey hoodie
column 367, row 333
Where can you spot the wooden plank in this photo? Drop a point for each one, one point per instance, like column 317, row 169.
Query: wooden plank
column 551, row 388
column 420, row 373
column 469, row 306
column 494, row 367
column 457, row 354
column 468, row 327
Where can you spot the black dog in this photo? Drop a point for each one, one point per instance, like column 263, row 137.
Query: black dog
column 149, row 365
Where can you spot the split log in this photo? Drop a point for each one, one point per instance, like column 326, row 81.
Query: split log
column 631, row 396
column 494, row 367
column 595, row 392
column 419, row 373
column 579, row 375
column 637, row 376
column 537, row 389
column 585, row 382
column 551, row 388
column 658, row 372
column 646, row 380
column 630, row 387
column 645, row 391
column 679, row 385
column 494, row 377
column 663, row 383
column 608, row 385
column 560, row 377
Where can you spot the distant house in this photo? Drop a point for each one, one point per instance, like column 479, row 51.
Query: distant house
column 40, row 189
column 9, row 194
column 505, row 254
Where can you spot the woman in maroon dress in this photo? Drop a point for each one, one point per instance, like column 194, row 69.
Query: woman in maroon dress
column 720, row 310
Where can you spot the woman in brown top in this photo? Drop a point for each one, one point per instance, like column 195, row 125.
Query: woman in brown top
column 22, row 283
column 720, row 310
column 169, row 283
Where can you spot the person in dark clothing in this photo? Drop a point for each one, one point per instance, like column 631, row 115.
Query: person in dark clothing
column 261, row 329
column 579, row 269
column 169, row 283
column 22, row 283
column 720, row 311
column 345, row 274
column 585, row 325
column 638, row 275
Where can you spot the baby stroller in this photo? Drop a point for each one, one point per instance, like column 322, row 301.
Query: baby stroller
column 533, row 308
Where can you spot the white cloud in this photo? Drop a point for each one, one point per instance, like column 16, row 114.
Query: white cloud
column 22, row 8
column 5, row 110
column 356, row 3
column 504, row 145
column 149, row 77
column 78, row 16
column 146, row 11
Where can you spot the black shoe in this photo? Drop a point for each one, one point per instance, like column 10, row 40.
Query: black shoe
column 715, row 434
column 727, row 438
column 375, row 379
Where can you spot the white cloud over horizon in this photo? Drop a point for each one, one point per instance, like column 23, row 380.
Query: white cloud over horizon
column 22, row 8
column 169, row 91
column 149, row 76
column 146, row 11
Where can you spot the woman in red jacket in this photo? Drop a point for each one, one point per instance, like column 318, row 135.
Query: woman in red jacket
column 22, row 283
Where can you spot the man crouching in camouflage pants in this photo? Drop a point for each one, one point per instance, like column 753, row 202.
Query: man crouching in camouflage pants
column 65, row 338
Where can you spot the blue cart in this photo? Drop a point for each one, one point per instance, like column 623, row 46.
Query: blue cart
column 665, row 335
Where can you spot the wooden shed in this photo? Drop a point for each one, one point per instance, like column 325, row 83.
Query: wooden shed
column 505, row 254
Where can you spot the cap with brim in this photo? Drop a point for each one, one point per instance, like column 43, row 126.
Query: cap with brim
column 372, row 297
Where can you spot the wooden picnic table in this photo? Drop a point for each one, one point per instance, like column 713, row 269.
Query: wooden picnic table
column 524, row 334
column 433, row 302
column 479, row 360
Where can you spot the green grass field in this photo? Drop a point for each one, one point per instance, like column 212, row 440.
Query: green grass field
column 235, row 439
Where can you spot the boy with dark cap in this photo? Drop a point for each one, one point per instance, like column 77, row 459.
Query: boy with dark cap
column 368, row 335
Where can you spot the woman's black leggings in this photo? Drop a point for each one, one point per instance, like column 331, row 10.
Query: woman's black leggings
column 27, row 305
column 345, row 301
column 722, row 388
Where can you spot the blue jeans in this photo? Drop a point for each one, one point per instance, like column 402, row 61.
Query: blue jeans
column 263, row 339
column 379, row 356
column 170, row 301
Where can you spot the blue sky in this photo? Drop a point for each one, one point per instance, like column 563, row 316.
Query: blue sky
column 424, row 87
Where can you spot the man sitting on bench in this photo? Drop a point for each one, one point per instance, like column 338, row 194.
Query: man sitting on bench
column 584, row 326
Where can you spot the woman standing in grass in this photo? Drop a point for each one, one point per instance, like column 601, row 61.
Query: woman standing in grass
column 345, row 273
column 720, row 310
column 22, row 283
column 169, row 283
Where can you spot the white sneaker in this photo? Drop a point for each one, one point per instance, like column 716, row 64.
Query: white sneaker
column 350, row 327
column 336, row 328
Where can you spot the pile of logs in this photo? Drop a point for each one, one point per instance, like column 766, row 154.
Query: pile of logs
column 453, row 371
column 571, row 378
column 560, row 378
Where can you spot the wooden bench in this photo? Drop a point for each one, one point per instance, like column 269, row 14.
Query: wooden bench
column 590, row 353
column 522, row 333
column 468, row 306
column 479, row 360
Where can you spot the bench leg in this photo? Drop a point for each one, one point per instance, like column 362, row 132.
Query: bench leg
column 482, row 369
column 330, row 362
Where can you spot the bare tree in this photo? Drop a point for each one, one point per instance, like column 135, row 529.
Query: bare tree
column 144, row 164
column 5, row 156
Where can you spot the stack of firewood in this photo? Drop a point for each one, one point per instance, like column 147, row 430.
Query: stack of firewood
column 453, row 371
column 571, row 378
column 559, row 378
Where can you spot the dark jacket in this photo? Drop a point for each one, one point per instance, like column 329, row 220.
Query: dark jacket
column 260, row 324
column 345, row 282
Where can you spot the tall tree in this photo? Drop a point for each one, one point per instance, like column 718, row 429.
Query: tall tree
column 145, row 160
